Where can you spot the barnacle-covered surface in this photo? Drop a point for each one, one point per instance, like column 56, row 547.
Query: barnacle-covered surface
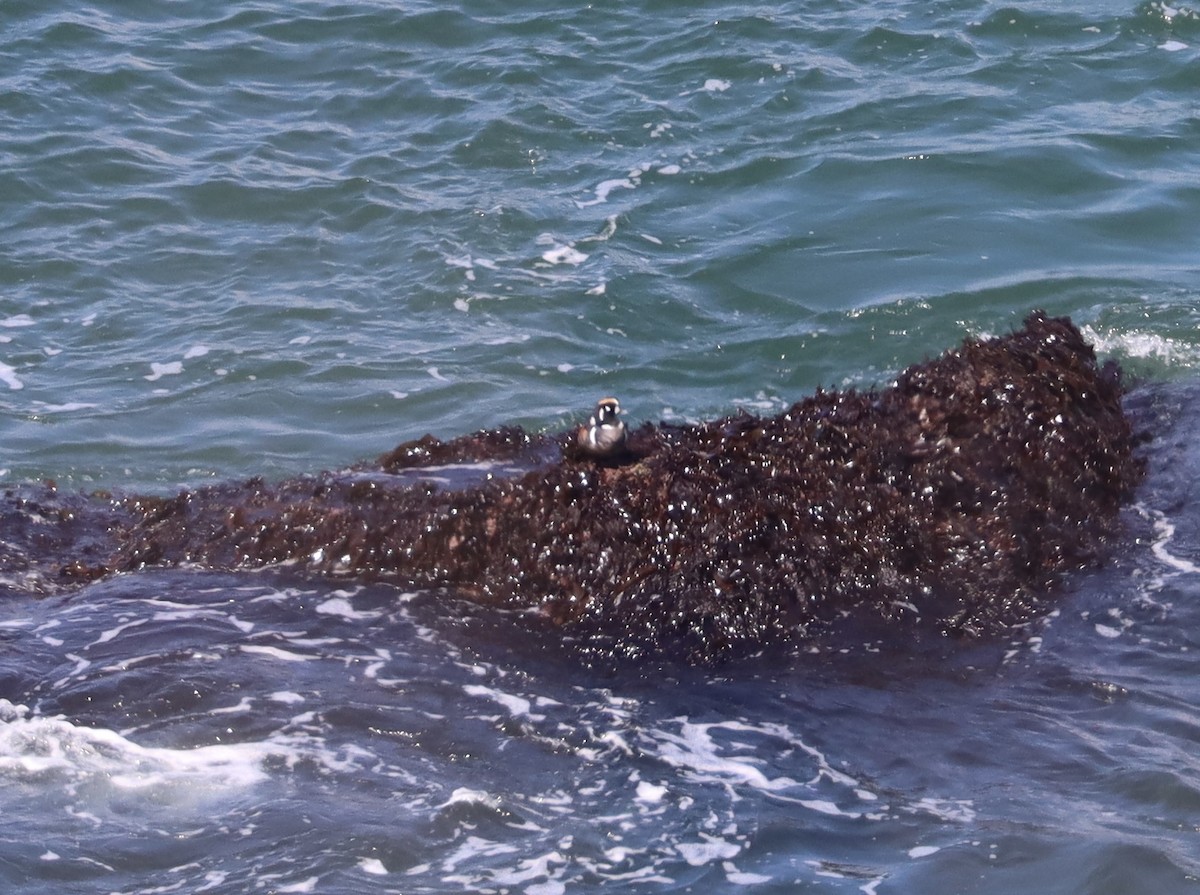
column 957, row 495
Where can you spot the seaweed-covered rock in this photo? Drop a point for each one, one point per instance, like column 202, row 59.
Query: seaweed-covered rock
column 958, row 494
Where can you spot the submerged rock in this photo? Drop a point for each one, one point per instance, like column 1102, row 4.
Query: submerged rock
column 959, row 495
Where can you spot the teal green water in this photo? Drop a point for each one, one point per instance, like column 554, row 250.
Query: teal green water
column 336, row 227
column 273, row 238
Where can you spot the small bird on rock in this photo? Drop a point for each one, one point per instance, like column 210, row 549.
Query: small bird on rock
column 604, row 436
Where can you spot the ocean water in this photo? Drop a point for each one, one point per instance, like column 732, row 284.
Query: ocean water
column 270, row 239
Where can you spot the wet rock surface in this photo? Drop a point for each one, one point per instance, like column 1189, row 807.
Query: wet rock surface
column 959, row 495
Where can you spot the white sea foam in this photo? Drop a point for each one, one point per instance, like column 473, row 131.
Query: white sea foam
column 158, row 371
column 1164, row 531
column 956, row 811
column 340, row 605
column 473, row 847
column 372, row 670
column 537, row 867
column 113, row 633
column 69, row 407
column 694, row 749
column 54, row 752
column 245, row 704
column 274, row 652
column 564, row 254
column 9, row 377
column 741, row 878
column 469, row 262
column 1168, row 350
column 824, row 806
column 708, row 851
column 517, row 706
column 609, row 231
column 605, row 187
column 648, row 792
column 81, row 666
column 373, row 866
column 467, row 796
column 188, row 613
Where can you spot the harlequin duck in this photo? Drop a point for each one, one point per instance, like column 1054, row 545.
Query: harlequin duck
column 603, row 438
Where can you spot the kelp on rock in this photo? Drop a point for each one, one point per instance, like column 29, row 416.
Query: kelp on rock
column 959, row 494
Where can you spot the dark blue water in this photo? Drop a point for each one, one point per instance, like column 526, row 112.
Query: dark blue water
column 278, row 238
